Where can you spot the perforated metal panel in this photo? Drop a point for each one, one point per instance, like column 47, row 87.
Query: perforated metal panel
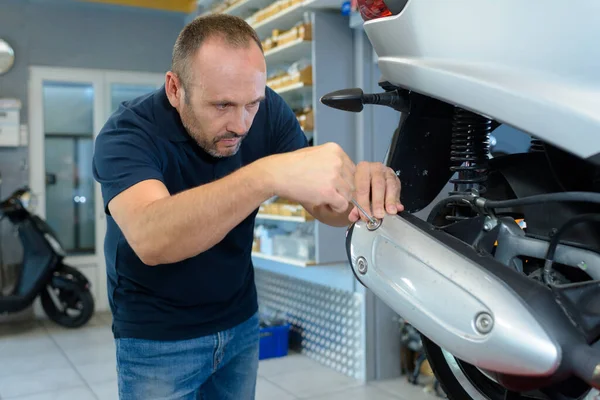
column 326, row 322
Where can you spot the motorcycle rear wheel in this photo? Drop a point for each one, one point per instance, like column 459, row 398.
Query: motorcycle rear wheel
column 77, row 304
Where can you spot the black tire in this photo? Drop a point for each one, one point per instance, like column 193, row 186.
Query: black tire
column 453, row 389
column 79, row 299
column 485, row 388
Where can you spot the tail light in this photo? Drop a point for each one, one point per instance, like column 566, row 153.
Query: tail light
column 372, row 9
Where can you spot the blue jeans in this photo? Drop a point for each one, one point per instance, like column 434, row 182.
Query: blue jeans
column 222, row 366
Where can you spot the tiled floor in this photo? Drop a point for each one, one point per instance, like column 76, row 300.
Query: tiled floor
column 41, row 361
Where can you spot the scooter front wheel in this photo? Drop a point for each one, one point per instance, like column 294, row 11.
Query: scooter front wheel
column 69, row 305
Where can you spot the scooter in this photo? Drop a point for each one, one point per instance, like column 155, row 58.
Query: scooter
column 64, row 291
column 502, row 278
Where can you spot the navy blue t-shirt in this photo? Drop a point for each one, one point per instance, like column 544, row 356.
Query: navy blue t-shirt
column 215, row 290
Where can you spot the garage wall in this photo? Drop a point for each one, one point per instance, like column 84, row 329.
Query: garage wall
column 69, row 34
column 62, row 33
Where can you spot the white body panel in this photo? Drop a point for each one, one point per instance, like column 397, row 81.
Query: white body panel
column 533, row 65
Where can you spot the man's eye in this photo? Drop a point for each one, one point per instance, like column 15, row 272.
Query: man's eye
column 222, row 106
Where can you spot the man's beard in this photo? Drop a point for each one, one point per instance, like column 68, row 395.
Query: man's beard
column 210, row 146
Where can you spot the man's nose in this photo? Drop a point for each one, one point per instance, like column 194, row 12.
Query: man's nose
column 239, row 122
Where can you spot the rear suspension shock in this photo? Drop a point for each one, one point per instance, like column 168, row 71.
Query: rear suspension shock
column 536, row 146
column 469, row 154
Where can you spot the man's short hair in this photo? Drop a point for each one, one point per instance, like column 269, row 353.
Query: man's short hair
column 233, row 30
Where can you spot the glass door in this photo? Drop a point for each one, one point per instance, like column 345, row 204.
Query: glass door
column 68, row 108
column 118, row 87
column 68, row 150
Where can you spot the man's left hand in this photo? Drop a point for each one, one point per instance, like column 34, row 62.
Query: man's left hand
column 377, row 190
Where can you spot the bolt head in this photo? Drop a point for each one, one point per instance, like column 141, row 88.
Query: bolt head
column 484, row 323
column 374, row 225
column 361, row 265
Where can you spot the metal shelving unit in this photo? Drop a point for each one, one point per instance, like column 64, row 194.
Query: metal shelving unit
column 285, row 218
column 296, row 287
column 289, row 52
column 329, row 51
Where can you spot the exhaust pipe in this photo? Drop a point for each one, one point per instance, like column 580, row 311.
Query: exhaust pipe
column 469, row 304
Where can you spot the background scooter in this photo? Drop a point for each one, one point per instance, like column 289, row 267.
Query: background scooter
column 64, row 291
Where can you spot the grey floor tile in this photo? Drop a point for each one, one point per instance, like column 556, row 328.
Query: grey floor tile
column 99, row 372
column 290, row 363
column 26, row 344
column 84, row 337
column 358, row 393
column 98, row 354
column 406, row 391
column 266, row 390
column 80, row 393
column 48, row 380
column 317, row 381
column 106, row 390
column 24, row 364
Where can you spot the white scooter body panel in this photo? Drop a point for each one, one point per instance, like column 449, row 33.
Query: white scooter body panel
column 533, row 65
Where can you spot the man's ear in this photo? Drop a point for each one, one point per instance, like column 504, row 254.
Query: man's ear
column 174, row 89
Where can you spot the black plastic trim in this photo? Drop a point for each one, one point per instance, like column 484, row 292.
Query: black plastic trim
column 595, row 159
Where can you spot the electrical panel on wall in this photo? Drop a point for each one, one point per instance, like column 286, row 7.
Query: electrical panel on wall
column 10, row 126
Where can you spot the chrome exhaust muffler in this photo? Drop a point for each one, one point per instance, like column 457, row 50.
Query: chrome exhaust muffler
column 454, row 296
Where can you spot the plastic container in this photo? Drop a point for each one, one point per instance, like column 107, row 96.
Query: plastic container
column 297, row 247
column 274, row 341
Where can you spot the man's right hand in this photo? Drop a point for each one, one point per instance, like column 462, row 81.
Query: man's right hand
column 320, row 176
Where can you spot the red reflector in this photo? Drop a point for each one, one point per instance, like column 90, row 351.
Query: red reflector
column 371, row 9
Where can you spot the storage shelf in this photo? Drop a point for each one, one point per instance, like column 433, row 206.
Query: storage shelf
column 283, row 21
column 330, row 53
column 337, row 275
column 299, row 87
column 289, row 218
column 284, row 260
column 289, row 52
column 245, row 7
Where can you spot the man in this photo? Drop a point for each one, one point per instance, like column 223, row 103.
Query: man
column 183, row 171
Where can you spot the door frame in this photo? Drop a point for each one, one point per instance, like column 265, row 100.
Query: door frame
column 101, row 81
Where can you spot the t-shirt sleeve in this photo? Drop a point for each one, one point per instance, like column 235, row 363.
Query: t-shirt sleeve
column 124, row 156
column 287, row 133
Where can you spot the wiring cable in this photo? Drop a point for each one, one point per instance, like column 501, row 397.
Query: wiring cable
column 547, row 276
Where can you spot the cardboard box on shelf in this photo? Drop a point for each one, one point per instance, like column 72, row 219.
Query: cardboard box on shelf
column 304, row 76
column 284, row 209
column 303, row 32
column 306, row 119
column 271, row 10
column 268, row 44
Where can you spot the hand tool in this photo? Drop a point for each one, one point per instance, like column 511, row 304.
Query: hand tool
column 371, row 219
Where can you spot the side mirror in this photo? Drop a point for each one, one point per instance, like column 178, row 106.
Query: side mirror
column 354, row 99
column 345, row 99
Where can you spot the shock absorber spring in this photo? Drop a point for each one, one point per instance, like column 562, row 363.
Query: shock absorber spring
column 470, row 151
column 536, row 146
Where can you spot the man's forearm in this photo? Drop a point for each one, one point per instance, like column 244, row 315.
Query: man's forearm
column 181, row 226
